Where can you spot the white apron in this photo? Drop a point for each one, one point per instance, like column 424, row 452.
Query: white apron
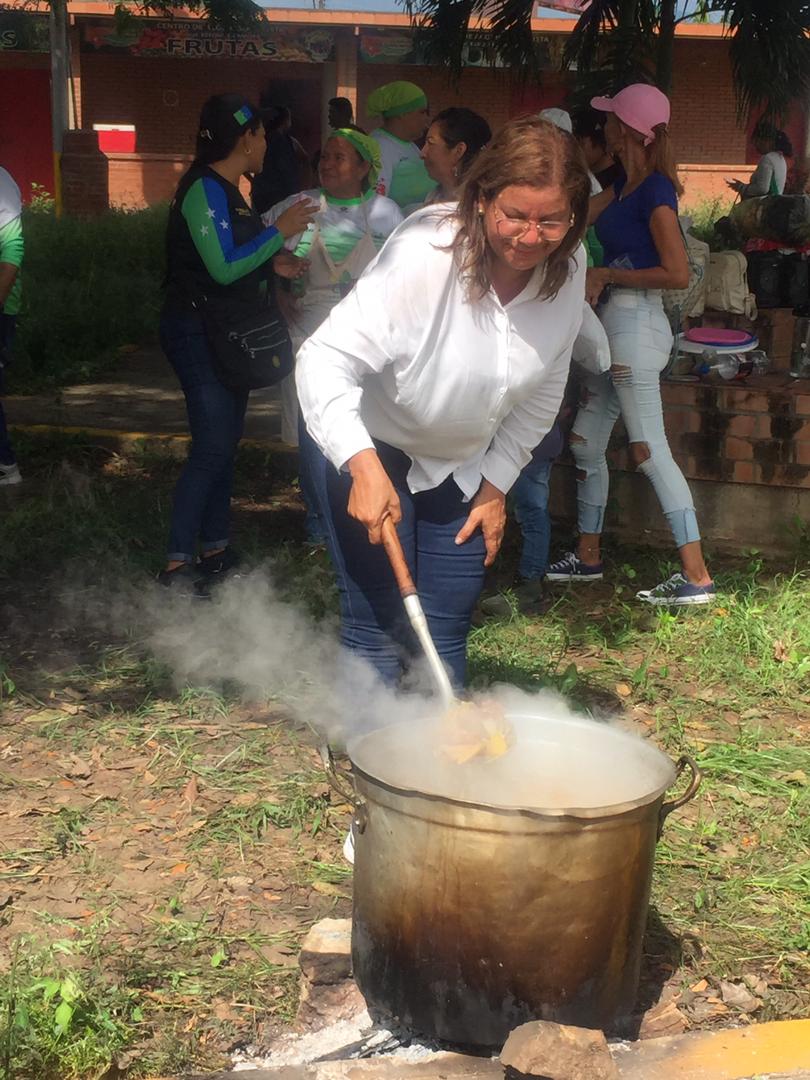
column 327, row 283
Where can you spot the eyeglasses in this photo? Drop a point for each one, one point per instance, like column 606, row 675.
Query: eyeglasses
column 516, row 228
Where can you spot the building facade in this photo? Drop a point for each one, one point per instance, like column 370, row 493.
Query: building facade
column 139, row 83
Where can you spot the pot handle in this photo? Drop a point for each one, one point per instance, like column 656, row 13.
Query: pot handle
column 684, row 761
column 339, row 783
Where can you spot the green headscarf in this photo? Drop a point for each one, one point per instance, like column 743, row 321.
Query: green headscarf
column 395, row 99
column 366, row 147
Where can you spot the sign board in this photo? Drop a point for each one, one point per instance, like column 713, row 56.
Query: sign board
column 23, row 31
column 572, row 7
column 194, row 40
column 378, row 47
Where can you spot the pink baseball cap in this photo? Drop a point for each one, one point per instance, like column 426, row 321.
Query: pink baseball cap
column 640, row 106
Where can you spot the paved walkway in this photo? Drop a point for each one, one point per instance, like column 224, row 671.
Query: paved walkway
column 141, row 398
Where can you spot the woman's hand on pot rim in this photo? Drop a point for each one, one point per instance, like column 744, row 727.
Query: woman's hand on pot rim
column 488, row 513
column 373, row 497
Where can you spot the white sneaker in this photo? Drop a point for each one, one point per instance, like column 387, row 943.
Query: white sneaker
column 10, row 474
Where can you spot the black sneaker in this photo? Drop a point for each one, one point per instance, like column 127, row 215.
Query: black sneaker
column 527, row 598
column 218, row 565
column 184, row 580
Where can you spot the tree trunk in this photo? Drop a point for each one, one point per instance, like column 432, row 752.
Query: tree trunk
column 666, row 45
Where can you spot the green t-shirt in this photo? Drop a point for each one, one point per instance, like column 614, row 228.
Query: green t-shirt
column 11, row 237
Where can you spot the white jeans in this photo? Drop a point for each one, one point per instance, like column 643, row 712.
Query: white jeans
column 640, row 342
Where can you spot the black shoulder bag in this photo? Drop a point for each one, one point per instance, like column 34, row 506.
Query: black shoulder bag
column 250, row 349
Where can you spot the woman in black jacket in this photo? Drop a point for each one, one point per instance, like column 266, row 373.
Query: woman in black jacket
column 218, row 251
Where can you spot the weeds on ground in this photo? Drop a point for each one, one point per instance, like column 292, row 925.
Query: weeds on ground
column 90, row 286
column 235, row 806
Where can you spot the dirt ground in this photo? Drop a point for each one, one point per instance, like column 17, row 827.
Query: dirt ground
column 170, row 844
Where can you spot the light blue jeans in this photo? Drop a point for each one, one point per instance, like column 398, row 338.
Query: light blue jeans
column 640, row 343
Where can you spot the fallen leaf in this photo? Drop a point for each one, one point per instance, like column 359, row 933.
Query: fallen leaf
column 699, row 987
column 326, row 888
column 623, row 690
column 270, row 896
column 148, row 778
column 238, row 882
column 739, row 997
column 191, row 791
column 780, row 652
column 178, row 869
column 665, row 1018
column 77, row 767
column 44, row 716
column 798, row 776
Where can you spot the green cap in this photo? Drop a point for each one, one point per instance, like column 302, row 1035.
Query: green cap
column 395, row 99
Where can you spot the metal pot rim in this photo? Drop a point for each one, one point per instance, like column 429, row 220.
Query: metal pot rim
column 607, row 810
column 572, row 812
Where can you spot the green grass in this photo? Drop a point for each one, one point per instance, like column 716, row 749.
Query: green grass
column 235, row 794
column 90, row 286
column 704, row 214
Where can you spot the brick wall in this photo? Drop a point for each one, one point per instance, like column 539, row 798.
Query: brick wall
column 488, row 92
column 704, row 122
column 753, row 432
column 163, row 97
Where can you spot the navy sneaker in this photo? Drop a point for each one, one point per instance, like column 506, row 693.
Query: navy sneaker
column 218, row 565
column 571, row 568
column 184, row 580
column 678, row 592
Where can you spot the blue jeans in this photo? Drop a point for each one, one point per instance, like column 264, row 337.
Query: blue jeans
column 448, row 577
column 201, row 508
column 7, row 326
column 311, row 462
column 640, row 341
column 530, row 495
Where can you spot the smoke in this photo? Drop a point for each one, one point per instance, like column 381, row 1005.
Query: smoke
column 248, row 637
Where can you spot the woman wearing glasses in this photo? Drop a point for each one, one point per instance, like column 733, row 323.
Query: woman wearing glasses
column 429, row 385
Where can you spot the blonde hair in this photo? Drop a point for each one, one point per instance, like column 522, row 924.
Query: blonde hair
column 661, row 157
column 531, row 152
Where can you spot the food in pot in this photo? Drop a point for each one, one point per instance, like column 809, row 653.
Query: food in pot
column 474, row 729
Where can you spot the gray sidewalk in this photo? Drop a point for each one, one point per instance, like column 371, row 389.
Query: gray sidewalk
column 141, row 398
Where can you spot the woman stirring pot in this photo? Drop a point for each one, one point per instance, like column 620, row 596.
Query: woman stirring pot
column 351, row 225
column 428, row 387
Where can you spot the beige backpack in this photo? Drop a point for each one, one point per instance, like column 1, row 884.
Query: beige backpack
column 727, row 284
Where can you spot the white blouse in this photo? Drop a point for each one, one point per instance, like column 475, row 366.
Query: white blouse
column 468, row 388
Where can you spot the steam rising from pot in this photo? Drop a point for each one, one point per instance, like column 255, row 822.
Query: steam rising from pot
column 249, row 637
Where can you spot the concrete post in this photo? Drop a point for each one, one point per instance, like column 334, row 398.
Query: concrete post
column 59, row 90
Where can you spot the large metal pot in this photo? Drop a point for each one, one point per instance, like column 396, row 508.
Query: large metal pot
column 471, row 918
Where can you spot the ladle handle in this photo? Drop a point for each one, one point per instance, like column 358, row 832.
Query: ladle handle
column 396, row 556
column 685, row 761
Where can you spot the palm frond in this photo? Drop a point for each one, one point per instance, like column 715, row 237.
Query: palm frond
column 770, row 53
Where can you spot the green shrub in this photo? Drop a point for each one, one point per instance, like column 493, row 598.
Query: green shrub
column 89, row 287
column 704, row 214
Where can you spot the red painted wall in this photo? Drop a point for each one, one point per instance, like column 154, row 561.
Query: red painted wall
column 25, row 127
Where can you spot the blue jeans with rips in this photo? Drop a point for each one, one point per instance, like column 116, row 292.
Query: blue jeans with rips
column 530, row 498
column 201, row 507
column 640, row 341
column 448, row 577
